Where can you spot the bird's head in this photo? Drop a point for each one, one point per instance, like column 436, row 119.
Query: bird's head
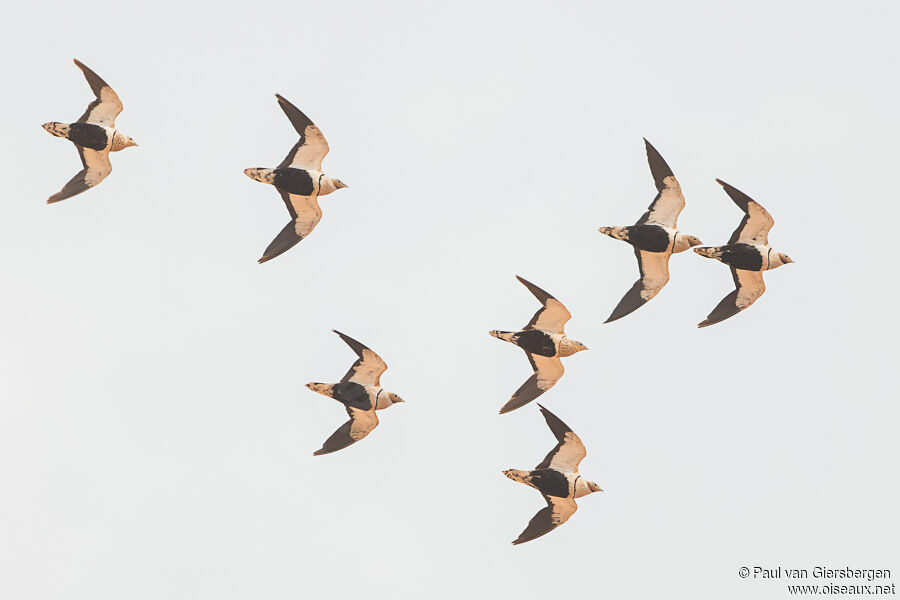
column 120, row 142
column 594, row 487
column 785, row 259
column 394, row 398
column 693, row 241
column 569, row 347
column 338, row 184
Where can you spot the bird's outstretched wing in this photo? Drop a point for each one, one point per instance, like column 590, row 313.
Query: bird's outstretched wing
column 305, row 215
column 755, row 226
column 309, row 152
column 368, row 367
column 669, row 202
column 654, row 268
column 552, row 317
column 547, row 372
column 557, row 512
column 361, row 423
column 749, row 286
column 568, row 453
column 96, row 168
column 107, row 106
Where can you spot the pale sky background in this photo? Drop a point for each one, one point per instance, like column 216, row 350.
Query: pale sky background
column 155, row 434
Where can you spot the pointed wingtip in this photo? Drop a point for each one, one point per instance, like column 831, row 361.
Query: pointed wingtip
column 703, row 324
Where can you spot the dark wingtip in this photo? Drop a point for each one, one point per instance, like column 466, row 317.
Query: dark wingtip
column 506, row 408
column 705, row 323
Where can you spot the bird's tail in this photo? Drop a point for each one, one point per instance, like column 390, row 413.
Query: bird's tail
column 503, row 335
column 57, row 129
column 321, row 388
column 261, row 175
column 709, row 252
column 519, row 475
column 619, row 233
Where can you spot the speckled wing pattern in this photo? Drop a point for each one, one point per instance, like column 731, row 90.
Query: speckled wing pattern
column 309, row 152
column 552, row 317
column 669, row 202
column 106, row 107
column 368, row 368
column 557, row 512
column 570, row 450
column 754, row 227
column 749, row 286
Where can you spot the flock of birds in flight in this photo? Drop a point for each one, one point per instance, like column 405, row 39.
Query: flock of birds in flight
column 655, row 237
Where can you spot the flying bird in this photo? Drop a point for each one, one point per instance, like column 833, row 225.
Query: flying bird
column 747, row 253
column 300, row 181
column 94, row 135
column 544, row 341
column 557, row 479
column 361, row 394
column 655, row 237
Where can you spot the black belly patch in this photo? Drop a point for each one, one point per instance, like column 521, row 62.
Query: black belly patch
column 88, row 135
column 651, row 238
column 535, row 342
column 742, row 256
column 294, row 181
column 551, row 483
column 351, row 394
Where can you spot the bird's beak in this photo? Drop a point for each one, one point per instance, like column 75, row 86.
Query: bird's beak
column 340, row 184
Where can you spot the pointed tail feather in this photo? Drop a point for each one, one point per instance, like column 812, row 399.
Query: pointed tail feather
column 506, row 336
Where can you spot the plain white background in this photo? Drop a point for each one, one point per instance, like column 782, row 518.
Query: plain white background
column 155, row 434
